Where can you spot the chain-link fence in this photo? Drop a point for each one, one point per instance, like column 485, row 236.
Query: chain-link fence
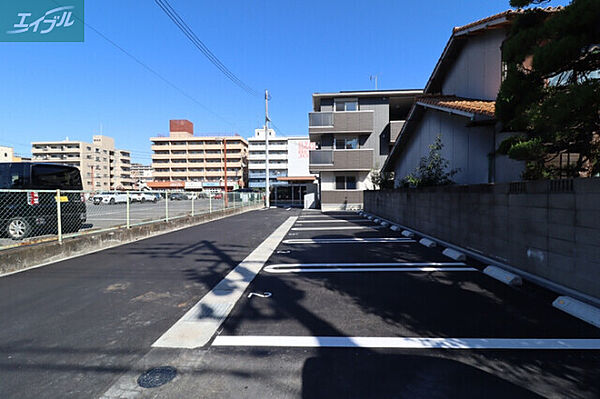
column 31, row 216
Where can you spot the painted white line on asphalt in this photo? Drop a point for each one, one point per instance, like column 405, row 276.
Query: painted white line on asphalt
column 202, row 321
column 304, row 221
column 368, row 267
column 352, row 240
column 269, row 269
column 408, row 343
column 337, row 228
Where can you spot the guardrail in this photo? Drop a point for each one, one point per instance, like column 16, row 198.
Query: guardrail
column 33, row 216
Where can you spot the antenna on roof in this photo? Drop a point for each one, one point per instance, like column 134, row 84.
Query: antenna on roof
column 374, row 78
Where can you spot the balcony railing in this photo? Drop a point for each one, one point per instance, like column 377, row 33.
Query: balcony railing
column 342, row 122
column 319, row 119
column 320, row 157
column 324, row 160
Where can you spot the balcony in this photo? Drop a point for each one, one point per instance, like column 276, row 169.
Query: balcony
column 340, row 122
column 340, row 160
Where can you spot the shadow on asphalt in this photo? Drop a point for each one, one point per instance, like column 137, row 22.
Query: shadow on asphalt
column 365, row 373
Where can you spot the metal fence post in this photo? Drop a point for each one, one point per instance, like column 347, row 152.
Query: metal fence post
column 192, row 204
column 233, row 200
column 127, row 209
column 166, row 206
column 210, row 203
column 58, row 217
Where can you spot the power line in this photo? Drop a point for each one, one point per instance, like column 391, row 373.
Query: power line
column 189, row 33
column 149, row 69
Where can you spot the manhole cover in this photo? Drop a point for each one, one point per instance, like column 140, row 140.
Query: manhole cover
column 156, row 377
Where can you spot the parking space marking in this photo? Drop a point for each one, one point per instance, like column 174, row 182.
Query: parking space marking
column 304, row 221
column 337, row 228
column 353, row 240
column 408, row 343
column 201, row 322
column 368, row 267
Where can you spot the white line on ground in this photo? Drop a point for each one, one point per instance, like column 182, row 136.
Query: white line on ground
column 304, row 221
column 269, row 269
column 337, row 228
column 352, row 240
column 408, row 343
column 201, row 322
column 368, row 267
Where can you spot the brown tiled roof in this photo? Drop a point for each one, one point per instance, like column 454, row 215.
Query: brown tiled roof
column 480, row 107
column 507, row 13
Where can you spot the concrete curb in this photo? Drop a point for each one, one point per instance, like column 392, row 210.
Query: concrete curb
column 541, row 281
column 31, row 256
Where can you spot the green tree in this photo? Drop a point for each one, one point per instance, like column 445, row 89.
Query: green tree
column 431, row 170
column 382, row 179
column 551, row 90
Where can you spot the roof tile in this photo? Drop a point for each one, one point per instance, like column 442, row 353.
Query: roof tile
column 480, row 107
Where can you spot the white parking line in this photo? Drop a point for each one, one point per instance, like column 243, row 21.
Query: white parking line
column 337, row 228
column 408, row 343
column 202, row 321
column 304, row 221
column 353, row 240
column 368, row 267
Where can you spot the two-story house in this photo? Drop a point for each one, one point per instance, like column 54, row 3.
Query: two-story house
column 459, row 104
column 353, row 132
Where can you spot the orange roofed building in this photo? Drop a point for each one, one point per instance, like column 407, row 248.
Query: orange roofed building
column 458, row 103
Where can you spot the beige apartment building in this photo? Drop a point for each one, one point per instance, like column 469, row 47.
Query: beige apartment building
column 102, row 166
column 183, row 160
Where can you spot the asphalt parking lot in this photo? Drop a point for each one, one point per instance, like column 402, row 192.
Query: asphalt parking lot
column 328, row 306
column 407, row 333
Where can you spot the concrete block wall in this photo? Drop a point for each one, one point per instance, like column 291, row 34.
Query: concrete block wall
column 548, row 228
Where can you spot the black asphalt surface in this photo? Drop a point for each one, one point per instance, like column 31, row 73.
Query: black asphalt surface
column 69, row 329
column 73, row 328
column 409, row 304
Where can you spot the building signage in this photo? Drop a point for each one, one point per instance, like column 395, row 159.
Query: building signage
column 41, row 21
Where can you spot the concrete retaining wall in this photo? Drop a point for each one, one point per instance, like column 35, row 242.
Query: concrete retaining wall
column 548, row 228
column 12, row 260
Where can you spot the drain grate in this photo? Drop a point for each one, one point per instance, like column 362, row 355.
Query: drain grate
column 157, row 376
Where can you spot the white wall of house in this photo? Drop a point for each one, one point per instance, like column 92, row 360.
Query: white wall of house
column 477, row 72
column 465, row 148
column 328, row 180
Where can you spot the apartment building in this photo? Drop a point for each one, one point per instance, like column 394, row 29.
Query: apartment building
column 289, row 177
column 141, row 175
column 353, row 132
column 278, row 158
column 182, row 160
column 102, row 166
column 7, row 154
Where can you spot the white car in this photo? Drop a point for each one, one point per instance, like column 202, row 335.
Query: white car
column 110, row 198
column 142, row 197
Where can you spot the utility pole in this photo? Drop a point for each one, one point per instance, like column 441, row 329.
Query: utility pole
column 267, row 190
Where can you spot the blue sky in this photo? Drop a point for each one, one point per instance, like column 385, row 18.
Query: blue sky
column 293, row 48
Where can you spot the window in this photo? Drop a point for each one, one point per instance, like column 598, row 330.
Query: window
column 345, row 183
column 346, row 105
column 345, row 143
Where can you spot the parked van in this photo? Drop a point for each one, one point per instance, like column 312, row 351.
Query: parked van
column 32, row 211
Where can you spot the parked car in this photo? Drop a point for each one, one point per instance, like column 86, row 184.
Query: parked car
column 110, row 198
column 177, row 196
column 142, row 197
column 33, row 211
column 218, row 196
